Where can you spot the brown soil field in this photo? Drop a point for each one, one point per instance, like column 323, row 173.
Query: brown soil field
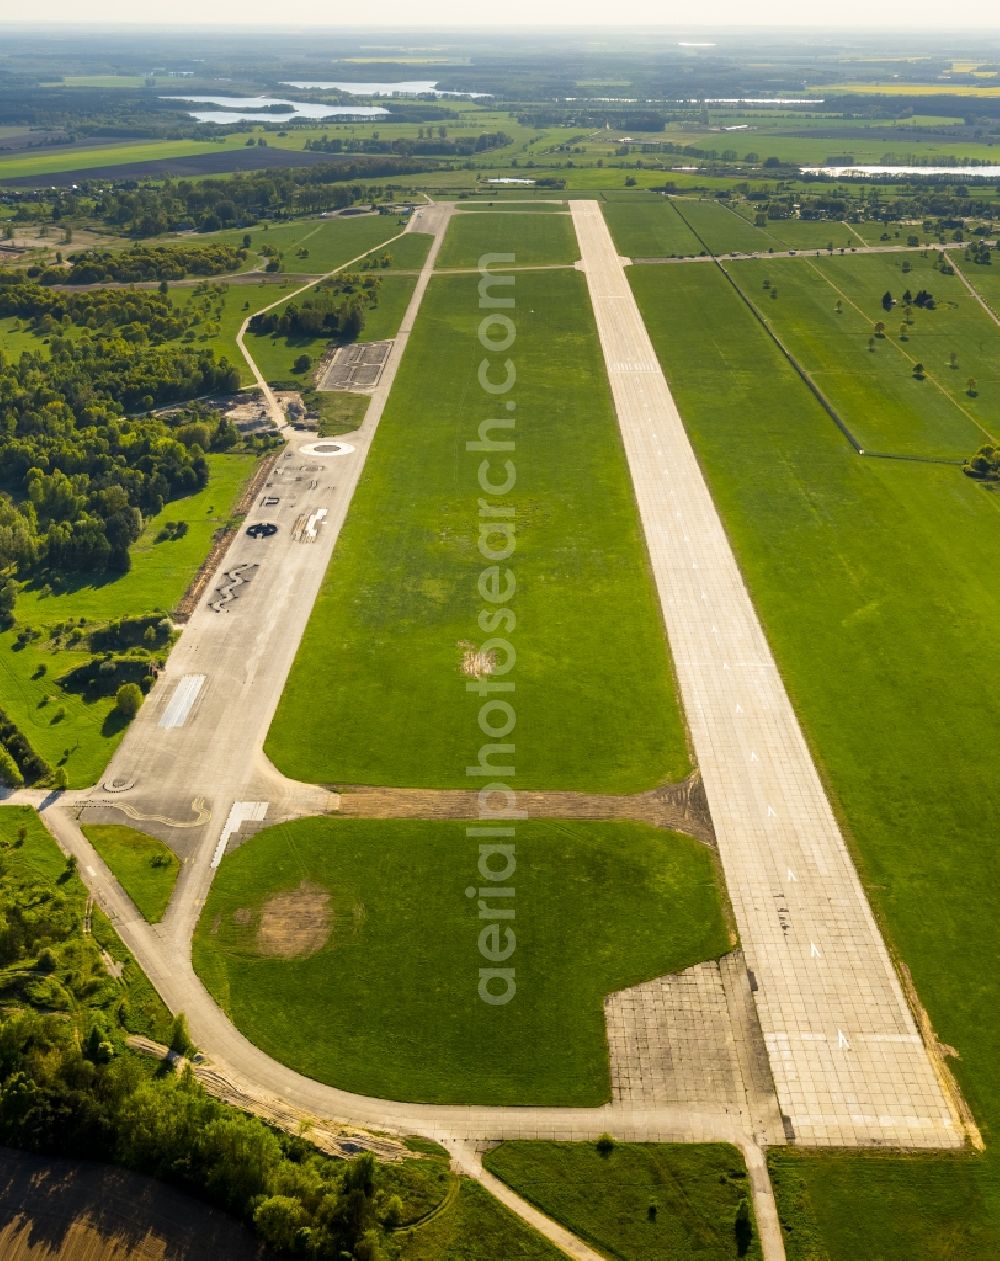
column 295, row 924
column 63, row 1210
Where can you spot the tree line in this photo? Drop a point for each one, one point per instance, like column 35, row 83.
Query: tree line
column 142, row 262
column 334, row 309
column 241, row 199
column 439, row 146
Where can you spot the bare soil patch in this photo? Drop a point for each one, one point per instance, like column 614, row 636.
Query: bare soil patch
column 295, row 924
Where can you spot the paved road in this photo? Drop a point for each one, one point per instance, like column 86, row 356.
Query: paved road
column 848, row 1063
column 195, row 748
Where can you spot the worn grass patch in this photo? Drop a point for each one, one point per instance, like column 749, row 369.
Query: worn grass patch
column 145, row 868
column 641, row 1201
column 390, row 1004
column 383, row 650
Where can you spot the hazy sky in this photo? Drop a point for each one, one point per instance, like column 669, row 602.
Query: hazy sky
column 845, row 16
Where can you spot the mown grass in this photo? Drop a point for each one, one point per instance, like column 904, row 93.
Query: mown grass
column 838, row 1206
column 339, row 411
column 84, row 737
column 870, row 580
column 720, row 228
column 641, row 1201
column 145, row 868
column 390, row 1005
column 875, row 390
column 384, row 648
column 650, row 229
column 530, row 238
column 327, row 243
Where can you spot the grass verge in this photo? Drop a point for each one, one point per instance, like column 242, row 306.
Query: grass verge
column 639, row 1201
column 144, row 867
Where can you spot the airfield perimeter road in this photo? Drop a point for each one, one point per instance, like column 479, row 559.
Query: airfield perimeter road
column 848, row 1063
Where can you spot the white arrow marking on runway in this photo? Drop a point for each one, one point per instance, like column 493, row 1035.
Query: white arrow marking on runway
column 739, row 708
column 842, row 1040
column 753, row 756
column 725, row 665
column 814, row 950
column 792, row 876
column 770, row 812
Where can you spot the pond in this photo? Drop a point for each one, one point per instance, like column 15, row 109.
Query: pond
column 255, row 109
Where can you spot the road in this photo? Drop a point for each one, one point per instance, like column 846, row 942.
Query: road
column 848, row 1063
column 195, row 749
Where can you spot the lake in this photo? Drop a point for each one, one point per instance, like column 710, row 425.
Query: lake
column 410, row 87
column 247, row 109
column 859, row 172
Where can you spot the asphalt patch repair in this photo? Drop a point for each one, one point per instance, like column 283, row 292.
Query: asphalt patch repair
column 295, row 924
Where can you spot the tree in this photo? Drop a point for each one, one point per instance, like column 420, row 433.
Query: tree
column 879, row 328
column 8, row 595
column 839, row 306
column 871, row 345
column 887, row 301
column 743, row 1228
column 918, row 371
column 953, row 359
column 180, row 1039
column 128, row 698
column 970, row 387
column 302, row 364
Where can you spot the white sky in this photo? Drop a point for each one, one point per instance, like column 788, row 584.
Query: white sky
column 845, row 17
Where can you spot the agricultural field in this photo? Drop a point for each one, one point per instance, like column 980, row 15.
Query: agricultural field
column 650, row 229
column 397, row 614
column 869, row 579
column 300, row 939
column 532, row 239
column 720, row 228
column 874, row 388
column 643, row 1201
column 144, row 867
column 68, row 728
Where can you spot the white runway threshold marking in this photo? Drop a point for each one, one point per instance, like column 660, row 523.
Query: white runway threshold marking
column 241, row 812
column 184, row 697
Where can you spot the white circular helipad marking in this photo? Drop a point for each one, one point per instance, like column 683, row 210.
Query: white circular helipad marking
column 327, row 447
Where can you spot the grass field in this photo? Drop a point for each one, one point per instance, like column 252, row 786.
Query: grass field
column 328, row 243
column 145, row 867
column 84, row 738
column 607, row 1199
column 869, row 578
column 876, row 392
column 836, row 1206
column 367, row 1014
column 475, row 1225
column 399, row 606
column 650, row 229
column 530, row 238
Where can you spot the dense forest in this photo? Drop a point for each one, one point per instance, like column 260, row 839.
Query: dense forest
column 334, row 309
column 79, row 474
column 436, row 143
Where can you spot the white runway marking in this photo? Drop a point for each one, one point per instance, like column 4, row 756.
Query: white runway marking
column 241, row 812
column 179, row 705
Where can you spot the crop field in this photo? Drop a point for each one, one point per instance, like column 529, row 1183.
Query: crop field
column 145, row 867
column 869, row 578
column 65, row 727
column 396, row 618
column 300, row 942
column 650, row 229
column 530, row 238
column 875, row 390
column 643, row 1201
